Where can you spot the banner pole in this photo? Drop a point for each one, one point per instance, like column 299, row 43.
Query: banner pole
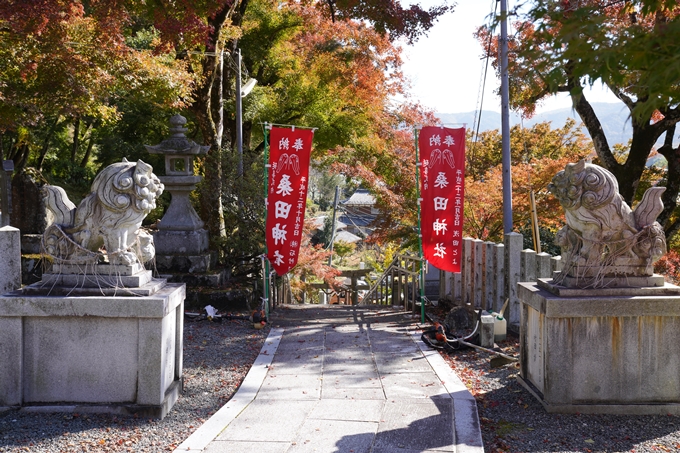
column 420, row 234
column 266, row 271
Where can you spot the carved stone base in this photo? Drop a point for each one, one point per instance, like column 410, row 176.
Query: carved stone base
column 97, row 269
column 571, row 285
column 620, row 266
column 45, row 289
column 96, row 280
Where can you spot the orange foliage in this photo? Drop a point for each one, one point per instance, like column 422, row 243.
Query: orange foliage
column 311, row 261
column 484, row 198
column 387, row 167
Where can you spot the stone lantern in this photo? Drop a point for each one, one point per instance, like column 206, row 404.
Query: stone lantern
column 181, row 241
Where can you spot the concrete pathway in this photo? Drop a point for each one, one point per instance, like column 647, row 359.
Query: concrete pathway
column 344, row 379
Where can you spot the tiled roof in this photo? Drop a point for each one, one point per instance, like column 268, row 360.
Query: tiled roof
column 346, row 236
column 360, row 198
column 319, row 222
column 356, row 220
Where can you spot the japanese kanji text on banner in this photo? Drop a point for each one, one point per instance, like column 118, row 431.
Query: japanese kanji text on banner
column 442, row 179
column 289, row 153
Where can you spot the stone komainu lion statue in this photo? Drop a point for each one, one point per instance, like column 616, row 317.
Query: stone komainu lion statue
column 603, row 235
column 110, row 217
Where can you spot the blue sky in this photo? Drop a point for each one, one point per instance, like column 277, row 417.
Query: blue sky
column 445, row 67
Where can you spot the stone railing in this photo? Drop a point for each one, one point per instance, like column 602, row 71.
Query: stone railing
column 490, row 273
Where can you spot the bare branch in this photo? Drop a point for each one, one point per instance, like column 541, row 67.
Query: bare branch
column 622, row 96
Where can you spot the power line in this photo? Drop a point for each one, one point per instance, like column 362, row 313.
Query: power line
column 478, row 112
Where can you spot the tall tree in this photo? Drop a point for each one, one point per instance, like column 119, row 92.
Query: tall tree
column 629, row 46
column 64, row 61
column 329, row 65
column 385, row 162
column 338, row 77
column 341, row 77
column 215, row 26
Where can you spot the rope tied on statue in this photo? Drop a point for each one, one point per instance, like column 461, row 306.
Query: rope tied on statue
column 608, row 257
column 58, row 247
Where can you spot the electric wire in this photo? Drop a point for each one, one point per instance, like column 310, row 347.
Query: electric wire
column 480, row 105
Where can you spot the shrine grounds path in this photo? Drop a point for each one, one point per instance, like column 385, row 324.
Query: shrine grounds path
column 344, row 379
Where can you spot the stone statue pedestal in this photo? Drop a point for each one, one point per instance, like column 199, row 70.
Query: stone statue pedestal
column 64, row 346
column 98, row 333
column 601, row 351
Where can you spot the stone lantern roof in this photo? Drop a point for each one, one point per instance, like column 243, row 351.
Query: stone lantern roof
column 177, row 143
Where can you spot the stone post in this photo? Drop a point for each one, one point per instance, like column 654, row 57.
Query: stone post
column 456, row 285
column 543, row 264
column 466, row 271
column 10, row 259
column 555, row 264
column 489, row 256
column 499, row 290
column 528, row 259
column 478, row 270
column 6, row 192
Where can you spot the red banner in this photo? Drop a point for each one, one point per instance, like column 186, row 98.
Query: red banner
column 442, row 187
column 289, row 151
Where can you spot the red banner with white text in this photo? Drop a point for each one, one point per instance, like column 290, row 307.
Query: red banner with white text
column 289, row 152
column 442, row 188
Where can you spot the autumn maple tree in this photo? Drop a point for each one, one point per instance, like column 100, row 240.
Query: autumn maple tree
column 385, row 162
column 95, row 80
column 63, row 64
column 629, row 46
column 216, row 26
column 340, row 77
column 74, row 59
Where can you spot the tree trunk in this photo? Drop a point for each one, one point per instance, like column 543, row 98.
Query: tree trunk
column 46, row 144
column 13, row 150
column 88, row 152
column 208, row 107
column 76, row 140
column 247, row 134
column 21, row 157
column 628, row 174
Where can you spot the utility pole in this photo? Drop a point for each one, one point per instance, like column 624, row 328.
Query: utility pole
column 335, row 207
column 505, row 122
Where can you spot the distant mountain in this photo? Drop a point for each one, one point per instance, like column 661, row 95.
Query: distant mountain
column 614, row 119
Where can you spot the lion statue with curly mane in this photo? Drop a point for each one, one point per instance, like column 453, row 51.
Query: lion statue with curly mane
column 603, row 235
column 109, row 218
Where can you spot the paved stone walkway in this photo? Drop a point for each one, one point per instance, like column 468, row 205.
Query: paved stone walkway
column 344, row 379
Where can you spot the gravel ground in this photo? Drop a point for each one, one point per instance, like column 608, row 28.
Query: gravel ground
column 514, row 421
column 217, row 356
